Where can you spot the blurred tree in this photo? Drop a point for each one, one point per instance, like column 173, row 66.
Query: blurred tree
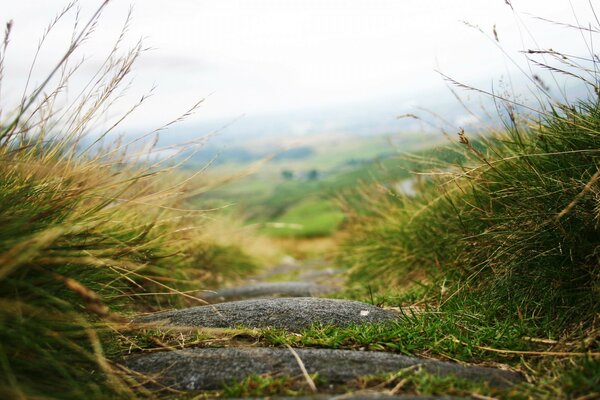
column 312, row 175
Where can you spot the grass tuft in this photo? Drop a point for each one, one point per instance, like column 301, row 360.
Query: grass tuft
column 500, row 245
column 92, row 231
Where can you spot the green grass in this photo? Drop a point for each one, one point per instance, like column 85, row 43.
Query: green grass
column 266, row 385
column 309, row 218
column 266, row 198
column 502, row 256
column 452, row 335
column 500, row 250
column 408, row 381
column 515, row 227
column 343, row 162
column 462, row 337
column 416, row 381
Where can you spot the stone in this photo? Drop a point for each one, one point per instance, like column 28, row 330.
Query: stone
column 292, row 314
column 266, row 290
column 363, row 395
column 211, row 368
column 318, row 275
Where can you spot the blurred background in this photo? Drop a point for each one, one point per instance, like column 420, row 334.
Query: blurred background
column 322, row 94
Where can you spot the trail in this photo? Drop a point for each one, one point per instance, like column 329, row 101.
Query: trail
column 291, row 297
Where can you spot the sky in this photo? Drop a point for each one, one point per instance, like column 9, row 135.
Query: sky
column 259, row 57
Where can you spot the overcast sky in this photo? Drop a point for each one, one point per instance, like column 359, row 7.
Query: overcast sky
column 264, row 56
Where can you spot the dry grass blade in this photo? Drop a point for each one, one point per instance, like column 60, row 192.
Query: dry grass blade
column 309, row 380
column 31, row 98
column 586, row 189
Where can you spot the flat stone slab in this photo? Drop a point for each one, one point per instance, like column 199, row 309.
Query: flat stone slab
column 266, row 290
column 316, row 275
column 291, row 266
column 362, row 396
column 211, row 368
column 284, row 268
column 292, row 314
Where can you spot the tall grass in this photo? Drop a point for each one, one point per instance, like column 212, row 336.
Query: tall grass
column 512, row 231
column 91, row 231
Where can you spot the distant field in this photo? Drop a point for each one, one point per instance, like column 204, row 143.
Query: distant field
column 314, row 217
column 295, row 197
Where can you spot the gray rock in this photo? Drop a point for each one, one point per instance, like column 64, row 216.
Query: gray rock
column 210, row 368
column 291, row 266
column 317, row 275
column 284, row 268
column 292, row 314
column 361, row 396
column 265, row 290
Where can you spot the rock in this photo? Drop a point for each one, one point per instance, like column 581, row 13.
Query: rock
column 210, row 368
column 284, row 268
column 290, row 266
column 265, row 290
column 363, row 396
column 312, row 276
column 292, row 314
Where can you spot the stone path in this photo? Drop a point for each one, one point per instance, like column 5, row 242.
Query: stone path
column 363, row 395
column 275, row 304
column 292, row 314
column 267, row 290
column 210, row 368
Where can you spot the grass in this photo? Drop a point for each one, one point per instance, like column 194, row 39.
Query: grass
column 495, row 260
column 516, row 227
column 265, row 385
column 418, row 382
column 309, row 218
column 428, row 334
column 266, row 197
column 455, row 330
column 498, row 250
column 407, row 381
column 460, row 338
column 89, row 235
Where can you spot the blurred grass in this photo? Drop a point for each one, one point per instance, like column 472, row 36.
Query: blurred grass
column 92, row 231
column 267, row 199
column 308, row 218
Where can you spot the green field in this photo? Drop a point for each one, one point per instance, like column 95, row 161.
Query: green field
column 287, row 200
column 309, row 218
